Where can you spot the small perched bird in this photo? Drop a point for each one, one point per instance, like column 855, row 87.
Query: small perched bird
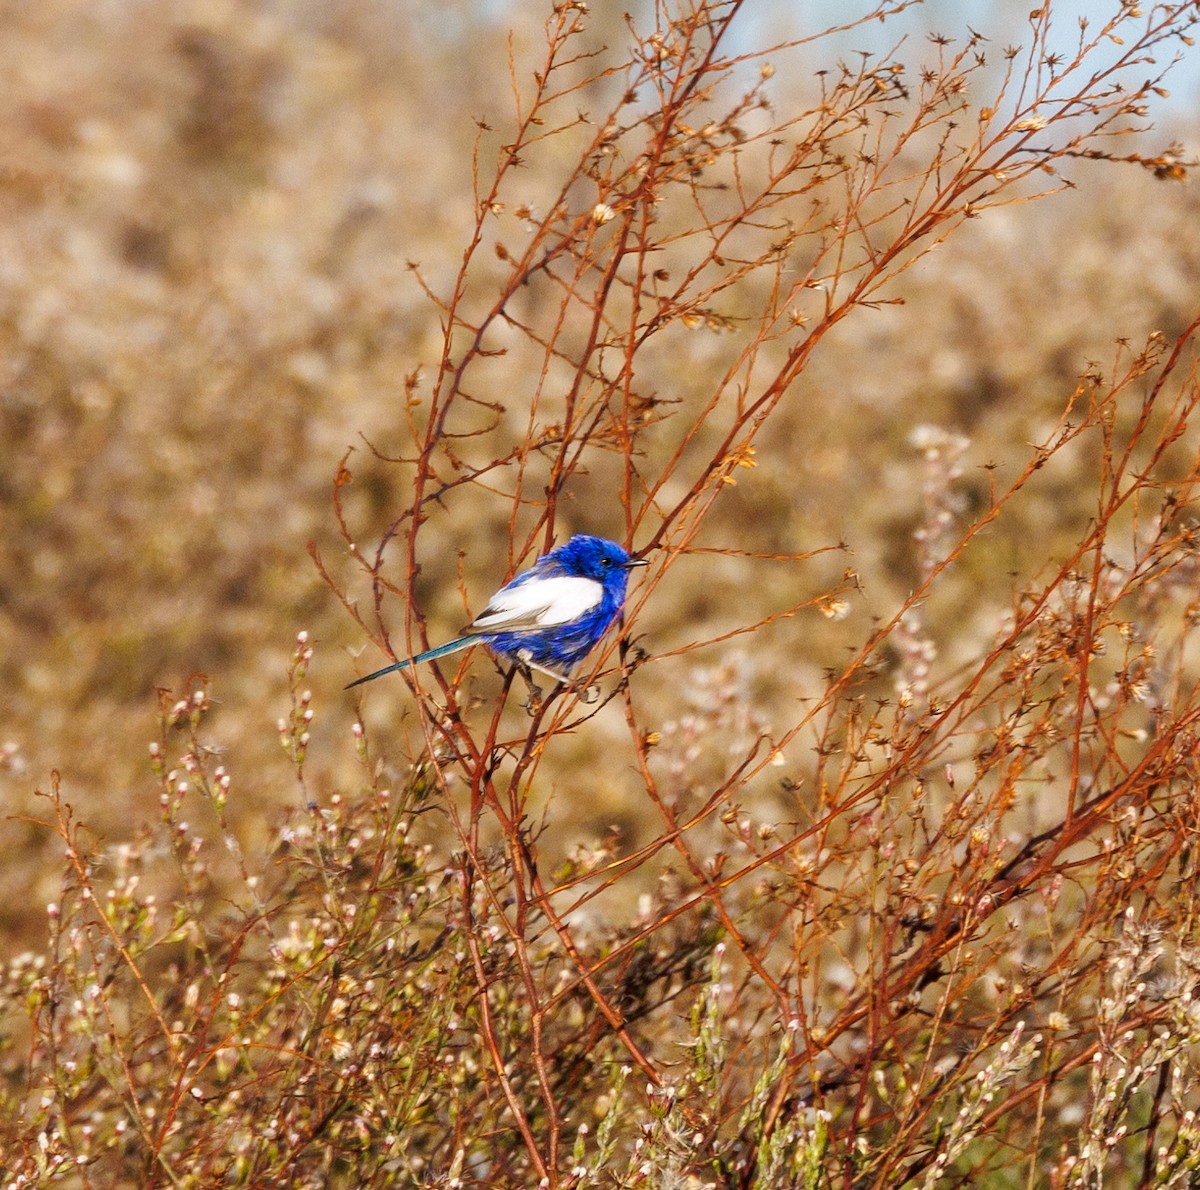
column 551, row 615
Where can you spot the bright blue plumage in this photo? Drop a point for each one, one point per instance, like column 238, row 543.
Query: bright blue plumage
column 551, row 615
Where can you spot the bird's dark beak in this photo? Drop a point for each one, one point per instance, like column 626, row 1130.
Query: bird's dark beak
column 636, row 562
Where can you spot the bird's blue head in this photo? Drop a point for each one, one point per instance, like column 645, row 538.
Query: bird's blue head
column 595, row 558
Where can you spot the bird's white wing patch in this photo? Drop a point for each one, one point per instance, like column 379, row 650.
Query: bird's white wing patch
column 539, row 603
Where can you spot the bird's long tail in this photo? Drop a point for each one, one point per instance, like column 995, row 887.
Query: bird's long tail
column 429, row 655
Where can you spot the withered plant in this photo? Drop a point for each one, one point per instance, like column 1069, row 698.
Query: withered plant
column 922, row 917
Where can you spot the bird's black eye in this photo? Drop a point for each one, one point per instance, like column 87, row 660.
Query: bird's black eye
column 605, row 563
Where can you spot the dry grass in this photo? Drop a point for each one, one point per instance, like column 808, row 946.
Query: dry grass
column 872, row 865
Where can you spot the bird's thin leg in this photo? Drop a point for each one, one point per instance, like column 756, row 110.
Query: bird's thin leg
column 526, row 666
column 562, row 679
column 534, row 703
column 588, row 694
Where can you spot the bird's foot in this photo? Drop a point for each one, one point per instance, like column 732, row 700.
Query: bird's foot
column 534, row 703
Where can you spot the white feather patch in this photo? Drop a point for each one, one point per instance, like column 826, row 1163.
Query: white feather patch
column 539, row 603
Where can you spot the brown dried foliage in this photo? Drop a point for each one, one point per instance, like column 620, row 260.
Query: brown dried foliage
column 932, row 921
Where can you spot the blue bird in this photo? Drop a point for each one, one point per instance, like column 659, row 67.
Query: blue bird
column 551, row 615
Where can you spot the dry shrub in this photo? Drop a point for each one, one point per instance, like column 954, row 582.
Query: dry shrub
column 924, row 915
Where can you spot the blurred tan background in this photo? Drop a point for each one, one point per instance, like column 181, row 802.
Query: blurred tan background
column 206, row 216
